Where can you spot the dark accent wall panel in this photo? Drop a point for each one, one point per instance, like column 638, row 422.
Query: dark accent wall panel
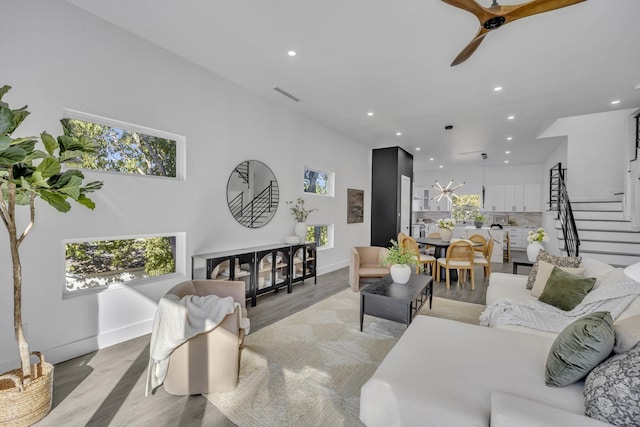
column 388, row 165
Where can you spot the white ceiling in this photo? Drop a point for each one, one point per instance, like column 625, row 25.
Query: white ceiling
column 392, row 58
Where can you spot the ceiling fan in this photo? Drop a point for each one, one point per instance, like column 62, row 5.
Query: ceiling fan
column 495, row 16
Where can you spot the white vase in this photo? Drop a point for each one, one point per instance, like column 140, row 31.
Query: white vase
column 300, row 230
column 400, row 273
column 445, row 234
column 532, row 250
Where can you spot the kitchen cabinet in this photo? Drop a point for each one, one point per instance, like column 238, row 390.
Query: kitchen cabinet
column 513, row 198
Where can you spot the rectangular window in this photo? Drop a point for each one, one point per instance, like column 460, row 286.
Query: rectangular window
column 97, row 264
column 125, row 148
column 465, row 207
column 318, row 182
column 321, row 234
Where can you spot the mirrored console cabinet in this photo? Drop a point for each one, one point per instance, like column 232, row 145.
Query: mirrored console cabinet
column 262, row 268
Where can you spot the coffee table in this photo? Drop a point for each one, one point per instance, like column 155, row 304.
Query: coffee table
column 394, row 301
column 520, row 262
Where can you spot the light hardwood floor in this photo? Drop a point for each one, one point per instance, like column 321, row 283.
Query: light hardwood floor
column 106, row 387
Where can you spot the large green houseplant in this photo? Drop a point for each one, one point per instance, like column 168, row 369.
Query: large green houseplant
column 26, row 174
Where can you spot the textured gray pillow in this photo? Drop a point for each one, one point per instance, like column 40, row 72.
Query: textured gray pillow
column 579, row 348
column 627, row 334
column 559, row 261
column 612, row 390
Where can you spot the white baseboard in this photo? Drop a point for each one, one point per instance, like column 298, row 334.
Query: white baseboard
column 332, row 267
column 87, row 345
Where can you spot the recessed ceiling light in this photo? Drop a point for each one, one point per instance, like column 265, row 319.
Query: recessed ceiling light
column 398, row 133
column 370, row 113
column 440, row 166
column 291, row 53
column 497, row 88
column 509, row 138
column 511, row 117
column 432, row 159
column 614, row 102
column 507, row 152
column 417, row 148
column 506, row 161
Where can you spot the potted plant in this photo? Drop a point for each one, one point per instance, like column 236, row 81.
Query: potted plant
column 27, row 173
column 398, row 261
column 446, row 226
column 300, row 213
column 535, row 239
column 479, row 220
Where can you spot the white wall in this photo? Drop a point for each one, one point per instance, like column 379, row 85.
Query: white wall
column 597, row 153
column 62, row 57
column 559, row 155
column 473, row 176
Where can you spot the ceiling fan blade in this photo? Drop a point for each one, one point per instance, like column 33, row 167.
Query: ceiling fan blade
column 468, row 5
column 470, row 48
column 538, row 6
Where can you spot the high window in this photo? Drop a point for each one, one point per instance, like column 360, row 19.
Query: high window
column 322, row 234
column 99, row 264
column 318, row 182
column 126, row 148
column 465, row 207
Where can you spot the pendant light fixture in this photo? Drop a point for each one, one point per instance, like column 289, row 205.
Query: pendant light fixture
column 447, row 191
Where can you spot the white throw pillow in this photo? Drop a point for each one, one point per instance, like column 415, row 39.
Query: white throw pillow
column 544, row 271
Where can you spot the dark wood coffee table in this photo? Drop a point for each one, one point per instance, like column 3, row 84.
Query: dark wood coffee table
column 394, row 301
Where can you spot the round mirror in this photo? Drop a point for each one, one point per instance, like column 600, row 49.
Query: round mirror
column 252, row 194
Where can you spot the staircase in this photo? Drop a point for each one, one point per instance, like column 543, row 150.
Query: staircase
column 604, row 233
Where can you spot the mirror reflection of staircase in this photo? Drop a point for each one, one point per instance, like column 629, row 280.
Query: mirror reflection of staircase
column 253, row 212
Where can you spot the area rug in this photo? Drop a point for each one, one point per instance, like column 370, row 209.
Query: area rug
column 307, row 369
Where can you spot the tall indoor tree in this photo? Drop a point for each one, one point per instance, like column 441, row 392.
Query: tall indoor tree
column 28, row 173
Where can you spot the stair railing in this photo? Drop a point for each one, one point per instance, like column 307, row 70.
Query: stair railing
column 559, row 202
column 243, row 171
column 254, row 211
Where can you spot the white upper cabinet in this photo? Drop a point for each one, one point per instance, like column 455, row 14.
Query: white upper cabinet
column 513, row 198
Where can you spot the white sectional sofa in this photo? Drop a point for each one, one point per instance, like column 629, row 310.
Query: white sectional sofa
column 445, row 373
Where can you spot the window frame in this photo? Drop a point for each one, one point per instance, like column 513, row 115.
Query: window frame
column 179, row 262
column 105, row 121
column 330, row 236
column 331, row 185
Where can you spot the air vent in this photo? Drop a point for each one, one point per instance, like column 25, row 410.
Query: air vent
column 287, row 94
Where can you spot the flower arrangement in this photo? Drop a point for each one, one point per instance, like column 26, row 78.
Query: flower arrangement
column 446, row 224
column 480, row 218
column 538, row 235
column 298, row 211
column 397, row 255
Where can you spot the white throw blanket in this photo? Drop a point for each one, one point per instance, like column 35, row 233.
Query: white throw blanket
column 613, row 297
column 176, row 321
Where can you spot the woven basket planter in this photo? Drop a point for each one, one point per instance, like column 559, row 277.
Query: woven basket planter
column 24, row 406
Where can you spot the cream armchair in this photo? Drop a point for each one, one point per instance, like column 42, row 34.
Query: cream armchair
column 208, row 362
column 366, row 261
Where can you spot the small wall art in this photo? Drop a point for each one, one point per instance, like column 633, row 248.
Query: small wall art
column 355, row 206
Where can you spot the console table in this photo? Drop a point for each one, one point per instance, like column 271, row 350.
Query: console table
column 263, row 268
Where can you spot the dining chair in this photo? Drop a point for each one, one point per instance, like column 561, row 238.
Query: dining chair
column 480, row 239
column 430, row 249
column 484, row 258
column 460, row 256
column 411, row 246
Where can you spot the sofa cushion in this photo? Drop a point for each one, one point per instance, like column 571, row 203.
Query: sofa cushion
column 612, row 390
column 627, row 334
column 373, row 270
column 595, row 268
column 579, row 348
column 544, row 271
column 565, row 290
column 510, row 410
column 558, row 261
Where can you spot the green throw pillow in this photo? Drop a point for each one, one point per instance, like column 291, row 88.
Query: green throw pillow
column 565, row 290
column 579, row 348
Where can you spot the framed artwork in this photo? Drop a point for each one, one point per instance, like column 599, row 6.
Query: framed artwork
column 355, row 206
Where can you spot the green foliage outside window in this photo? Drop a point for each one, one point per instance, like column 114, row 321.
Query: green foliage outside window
column 124, row 151
column 104, row 262
column 316, row 182
column 318, row 234
column 465, row 207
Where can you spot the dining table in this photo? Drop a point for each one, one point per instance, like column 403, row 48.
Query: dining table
column 441, row 247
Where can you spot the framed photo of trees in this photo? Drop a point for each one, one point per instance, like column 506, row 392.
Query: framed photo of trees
column 355, row 206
